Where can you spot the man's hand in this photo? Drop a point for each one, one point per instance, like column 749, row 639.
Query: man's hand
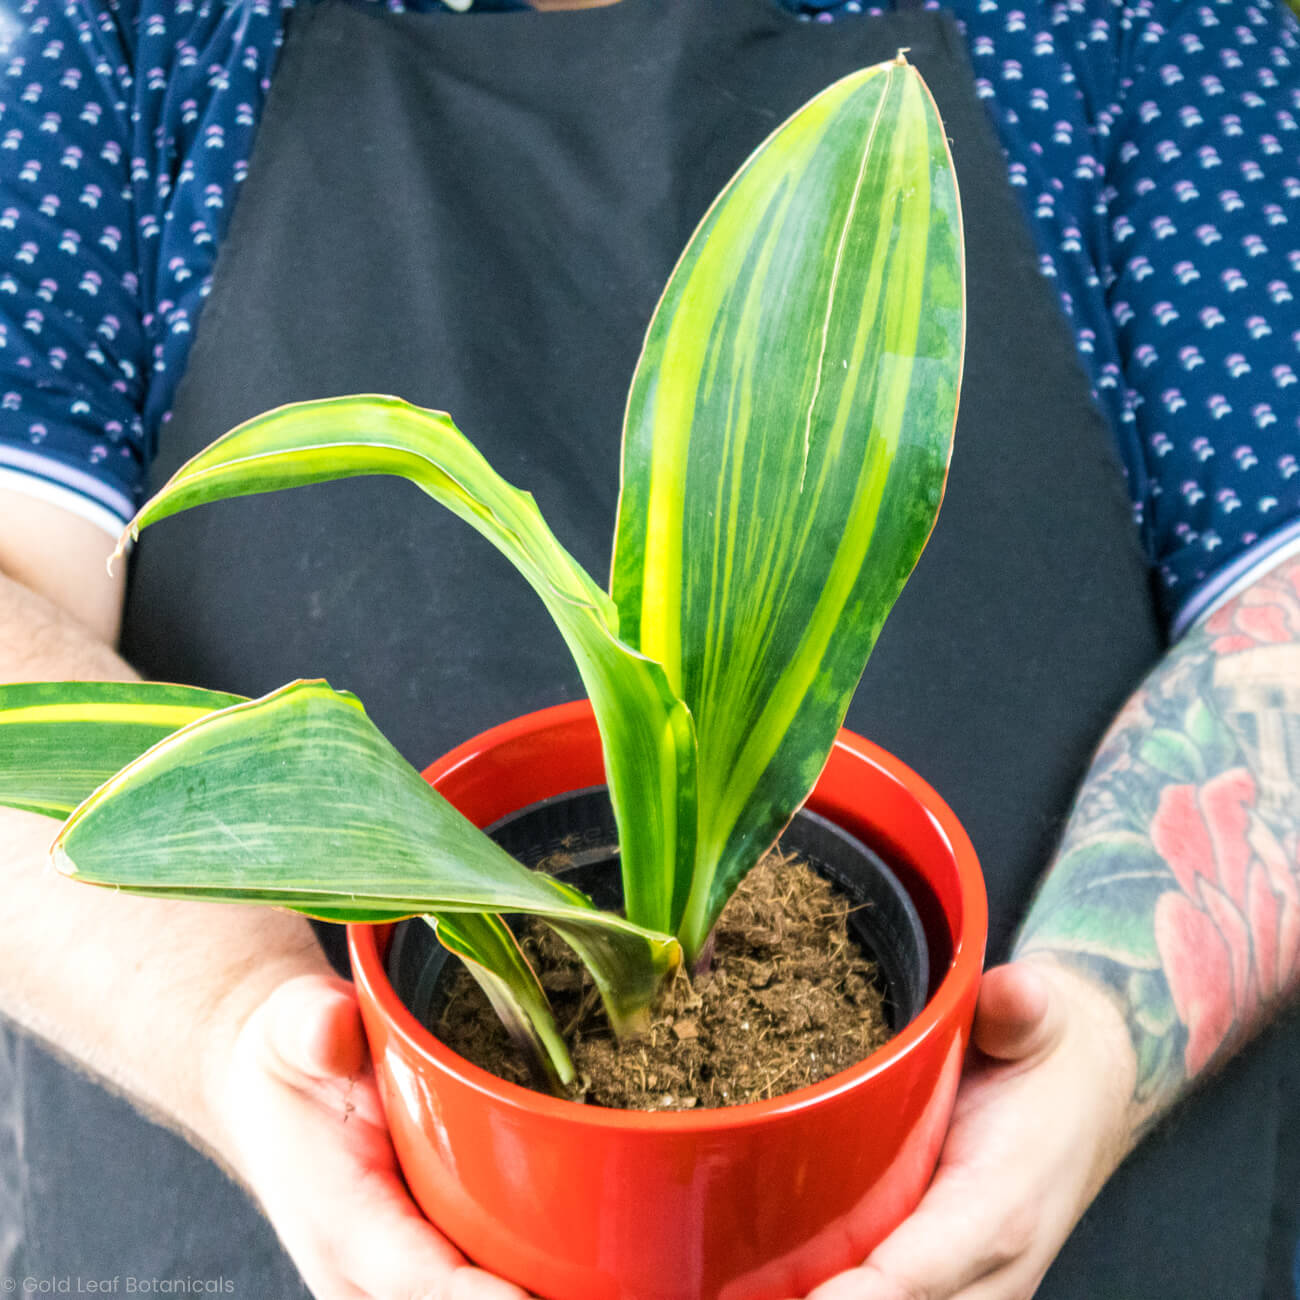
column 305, row 1132
column 251, row 1048
column 1043, row 1116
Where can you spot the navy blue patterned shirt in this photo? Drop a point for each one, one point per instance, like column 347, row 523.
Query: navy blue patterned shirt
column 1153, row 143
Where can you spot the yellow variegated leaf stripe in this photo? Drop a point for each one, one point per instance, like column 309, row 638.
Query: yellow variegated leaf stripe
column 60, row 740
column 786, row 447
column 649, row 742
column 297, row 800
column 492, row 956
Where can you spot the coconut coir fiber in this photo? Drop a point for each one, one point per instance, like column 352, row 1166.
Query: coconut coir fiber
column 789, row 999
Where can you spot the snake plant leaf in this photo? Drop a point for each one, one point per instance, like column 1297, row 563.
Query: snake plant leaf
column 297, row 800
column 491, row 955
column 648, row 735
column 786, row 446
column 59, row 741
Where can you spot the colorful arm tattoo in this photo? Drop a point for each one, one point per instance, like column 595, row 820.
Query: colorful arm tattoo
column 1177, row 883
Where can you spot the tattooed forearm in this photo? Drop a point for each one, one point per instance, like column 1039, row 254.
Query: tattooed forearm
column 1177, row 884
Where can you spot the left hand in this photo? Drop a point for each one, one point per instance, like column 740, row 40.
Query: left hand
column 1043, row 1117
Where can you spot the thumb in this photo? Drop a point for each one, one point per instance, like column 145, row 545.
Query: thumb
column 1020, row 1013
column 311, row 1030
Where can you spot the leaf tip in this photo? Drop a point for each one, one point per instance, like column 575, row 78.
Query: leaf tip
column 130, row 534
column 63, row 864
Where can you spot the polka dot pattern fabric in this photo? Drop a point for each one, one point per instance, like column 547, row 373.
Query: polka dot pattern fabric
column 1154, row 147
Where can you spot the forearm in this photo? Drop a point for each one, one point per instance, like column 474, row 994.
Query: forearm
column 1176, row 889
column 147, row 994
column 193, row 1010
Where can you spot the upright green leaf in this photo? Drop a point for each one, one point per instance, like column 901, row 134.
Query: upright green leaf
column 297, row 800
column 60, row 740
column 649, row 740
column 786, row 447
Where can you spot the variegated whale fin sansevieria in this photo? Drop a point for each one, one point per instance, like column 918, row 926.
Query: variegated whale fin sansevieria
column 786, row 445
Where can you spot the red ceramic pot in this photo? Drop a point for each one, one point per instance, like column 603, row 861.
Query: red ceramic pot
column 755, row 1202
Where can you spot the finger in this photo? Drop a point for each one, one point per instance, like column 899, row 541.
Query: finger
column 470, row 1283
column 946, row 1246
column 393, row 1251
column 312, row 1038
column 1018, row 1283
column 313, row 1029
column 1019, row 1015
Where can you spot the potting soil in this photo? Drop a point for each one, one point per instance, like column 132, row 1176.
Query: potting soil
column 789, row 999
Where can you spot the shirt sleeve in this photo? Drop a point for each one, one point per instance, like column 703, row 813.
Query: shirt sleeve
column 72, row 350
column 1154, row 146
column 125, row 130
column 1203, row 272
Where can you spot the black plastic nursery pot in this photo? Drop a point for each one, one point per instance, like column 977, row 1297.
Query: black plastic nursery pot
column 579, row 827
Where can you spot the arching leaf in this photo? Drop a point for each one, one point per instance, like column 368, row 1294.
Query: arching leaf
column 649, row 741
column 297, row 800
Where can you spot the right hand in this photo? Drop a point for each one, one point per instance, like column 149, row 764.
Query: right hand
column 305, row 1131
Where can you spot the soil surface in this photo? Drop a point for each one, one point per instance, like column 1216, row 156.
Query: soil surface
column 789, row 1000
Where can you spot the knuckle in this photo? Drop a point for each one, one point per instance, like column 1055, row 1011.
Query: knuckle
column 411, row 1291
column 1024, row 1291
column 1016, row 1235
column 890, row 1286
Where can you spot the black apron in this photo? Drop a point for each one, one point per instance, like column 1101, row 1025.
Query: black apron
column 478, row 214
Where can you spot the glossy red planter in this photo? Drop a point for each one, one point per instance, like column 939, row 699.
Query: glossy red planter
column 757, row 1202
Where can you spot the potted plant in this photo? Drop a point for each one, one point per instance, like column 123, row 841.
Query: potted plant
column 786, row 445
